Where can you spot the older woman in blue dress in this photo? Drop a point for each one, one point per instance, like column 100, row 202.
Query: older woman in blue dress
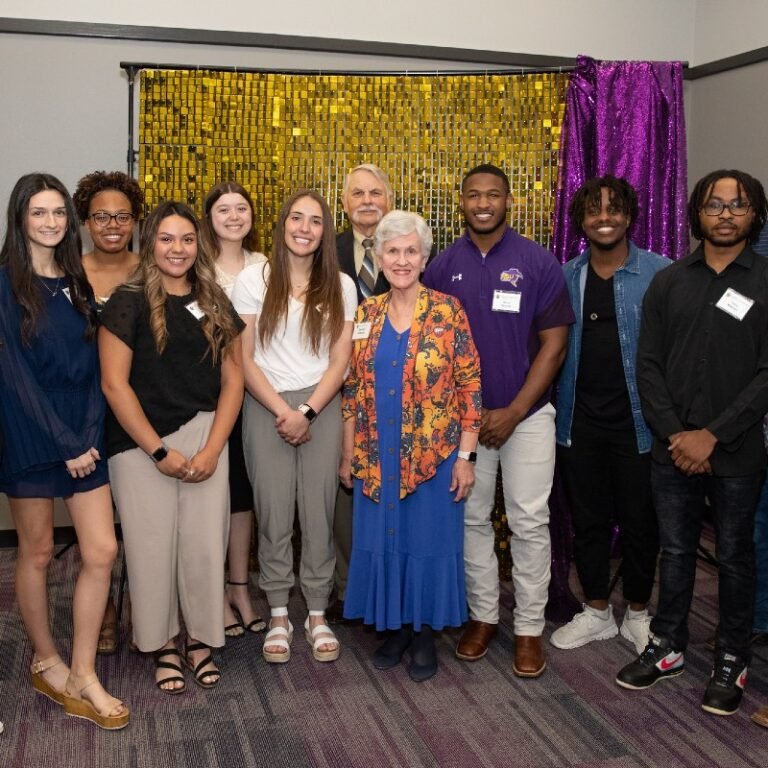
column 412, row 416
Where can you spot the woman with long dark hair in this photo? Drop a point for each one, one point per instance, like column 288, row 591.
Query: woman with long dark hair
column 230, row 237
column 52, row 427
column 172, row 375
column 298, row 311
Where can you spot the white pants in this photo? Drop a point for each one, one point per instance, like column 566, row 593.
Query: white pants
column 527, row 465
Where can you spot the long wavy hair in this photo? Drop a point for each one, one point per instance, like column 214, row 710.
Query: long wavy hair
column 218, row 324
column 16, row 256
column 323, row 315
column 210, row 238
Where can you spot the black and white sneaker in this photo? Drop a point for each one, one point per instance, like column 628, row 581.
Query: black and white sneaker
column 657, row 661
column 726, row 686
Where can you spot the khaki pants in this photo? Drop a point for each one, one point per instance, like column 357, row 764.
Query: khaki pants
column 175, row 537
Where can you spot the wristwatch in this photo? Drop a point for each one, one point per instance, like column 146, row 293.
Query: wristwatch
column 158, row 455
column 309, row 412
column 469, row 456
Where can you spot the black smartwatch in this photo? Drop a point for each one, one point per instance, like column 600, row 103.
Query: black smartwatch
column 158, row 455
column 469, row 456
column 310, row 414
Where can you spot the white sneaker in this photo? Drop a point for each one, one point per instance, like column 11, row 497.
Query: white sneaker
column 636, row 628
column 585, row 627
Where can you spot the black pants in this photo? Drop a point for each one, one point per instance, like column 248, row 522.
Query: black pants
column 680, row 501
column 607, row 481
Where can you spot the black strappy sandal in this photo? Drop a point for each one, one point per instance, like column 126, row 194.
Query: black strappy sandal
column 255, row 626
column 197, row 670
column 159, row 664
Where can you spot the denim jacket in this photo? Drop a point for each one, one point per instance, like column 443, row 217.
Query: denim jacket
column 630, row 281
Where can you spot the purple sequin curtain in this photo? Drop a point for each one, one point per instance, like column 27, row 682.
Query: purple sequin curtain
column 624, row 118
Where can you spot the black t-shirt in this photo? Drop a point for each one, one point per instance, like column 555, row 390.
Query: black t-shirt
column 601, row 387
column 173, row 386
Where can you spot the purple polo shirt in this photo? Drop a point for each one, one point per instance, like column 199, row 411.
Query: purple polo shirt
column 507, row 341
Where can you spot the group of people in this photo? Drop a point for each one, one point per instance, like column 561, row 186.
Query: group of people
column 377, row 388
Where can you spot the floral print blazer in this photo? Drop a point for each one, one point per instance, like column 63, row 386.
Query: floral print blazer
column 441, row 390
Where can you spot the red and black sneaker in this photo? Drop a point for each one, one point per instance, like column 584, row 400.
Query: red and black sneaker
column 657, row 661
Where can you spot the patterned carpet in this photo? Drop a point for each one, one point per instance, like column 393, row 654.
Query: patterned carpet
column 348, row 714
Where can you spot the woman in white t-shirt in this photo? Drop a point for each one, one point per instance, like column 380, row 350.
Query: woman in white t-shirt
column 298, row 309
column 229, row 236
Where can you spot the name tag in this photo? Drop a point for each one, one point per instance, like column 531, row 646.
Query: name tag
column 361, row 331
column 195, row 311
column 66, row 292
column 734, row 304
column 506, row 301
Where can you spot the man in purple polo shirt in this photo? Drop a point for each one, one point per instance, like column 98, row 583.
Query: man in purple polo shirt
column 518, row 307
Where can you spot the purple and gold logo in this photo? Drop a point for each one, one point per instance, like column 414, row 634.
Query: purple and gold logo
column 511, row 276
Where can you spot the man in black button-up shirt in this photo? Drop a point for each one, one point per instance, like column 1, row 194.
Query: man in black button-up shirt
column 702, row 373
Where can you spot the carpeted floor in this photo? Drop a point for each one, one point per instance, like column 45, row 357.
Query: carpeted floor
column 347, row 714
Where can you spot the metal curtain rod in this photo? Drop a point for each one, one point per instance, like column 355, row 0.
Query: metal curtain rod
column 131, row 66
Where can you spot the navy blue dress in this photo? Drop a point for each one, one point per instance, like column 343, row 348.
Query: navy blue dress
column 51, row 405
column 407, row 563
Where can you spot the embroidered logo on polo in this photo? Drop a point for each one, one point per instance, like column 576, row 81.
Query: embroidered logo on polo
column 512, row 276
column 456, row 277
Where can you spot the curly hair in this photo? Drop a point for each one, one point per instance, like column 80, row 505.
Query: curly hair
column 210, row 239
column 324, row 305
column 749, row 187
column 16, row 256
column 218, row 324
column 99, row 181
column 589, row 195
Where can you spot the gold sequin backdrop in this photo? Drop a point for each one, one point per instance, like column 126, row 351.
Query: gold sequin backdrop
column 275, row 133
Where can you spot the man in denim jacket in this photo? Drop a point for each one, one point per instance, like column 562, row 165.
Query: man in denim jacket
column 603, row 440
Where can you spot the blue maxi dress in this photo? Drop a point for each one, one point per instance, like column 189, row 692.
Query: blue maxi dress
column 407, row 563
column 51, row 405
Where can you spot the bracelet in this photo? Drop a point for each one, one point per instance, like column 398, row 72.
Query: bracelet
column 310, row 414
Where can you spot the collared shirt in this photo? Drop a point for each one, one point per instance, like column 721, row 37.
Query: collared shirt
column 699, row 366
column 360, row 252
column 630, row 281
column 509, row 294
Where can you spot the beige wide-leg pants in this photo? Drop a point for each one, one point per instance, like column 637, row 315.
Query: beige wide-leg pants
column 175, row 537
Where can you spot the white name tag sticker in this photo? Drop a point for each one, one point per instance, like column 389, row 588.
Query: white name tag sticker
column 195, row 310
column 66, row 292
column 361, row 331
column 734, row 304
column 506, row 301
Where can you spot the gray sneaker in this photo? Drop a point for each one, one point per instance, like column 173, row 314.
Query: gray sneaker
column 585, row 627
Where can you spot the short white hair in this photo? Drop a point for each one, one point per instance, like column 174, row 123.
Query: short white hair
column 399, row 223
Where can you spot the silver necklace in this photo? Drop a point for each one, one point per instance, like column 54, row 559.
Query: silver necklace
column 53, row 292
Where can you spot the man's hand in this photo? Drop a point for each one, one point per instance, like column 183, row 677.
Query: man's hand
column 497, row 425
column 691, row 450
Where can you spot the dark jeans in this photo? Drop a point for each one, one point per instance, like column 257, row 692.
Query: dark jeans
column 679, row 501
column 606, row 481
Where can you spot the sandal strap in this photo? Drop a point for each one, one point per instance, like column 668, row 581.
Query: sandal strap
column 197, row 670
column 43, row 665
column 322, row 634
column 278, row 632
column 80, row 683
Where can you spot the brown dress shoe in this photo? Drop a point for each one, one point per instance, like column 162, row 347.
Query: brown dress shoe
column 474, row 641
column 761, row 716
column 529, row 656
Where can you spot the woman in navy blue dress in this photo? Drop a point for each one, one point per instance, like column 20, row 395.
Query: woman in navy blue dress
column 412, row 415
column 52, row 428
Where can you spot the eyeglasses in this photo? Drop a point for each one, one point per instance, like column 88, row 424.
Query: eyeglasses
column 102, row 218
column 716, row 207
